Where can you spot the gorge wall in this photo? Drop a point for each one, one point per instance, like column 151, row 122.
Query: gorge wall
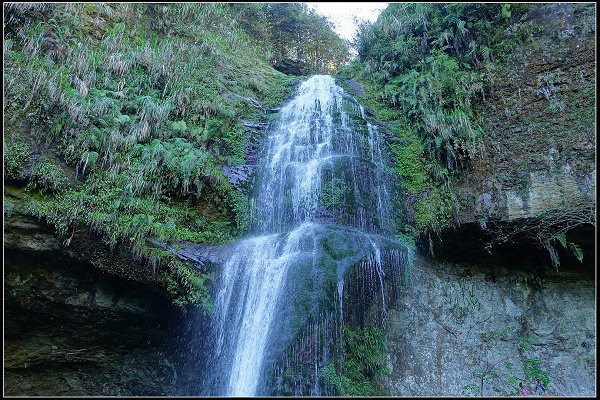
column 461, row 329
column 471, row 319
column 539, row 147
column 73, row 330
column 476, row 318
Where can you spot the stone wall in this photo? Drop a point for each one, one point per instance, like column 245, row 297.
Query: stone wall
column 455, row 322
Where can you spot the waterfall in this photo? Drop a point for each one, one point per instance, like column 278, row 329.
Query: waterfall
column 252, row 281
column 319, row 206
column 299, row 146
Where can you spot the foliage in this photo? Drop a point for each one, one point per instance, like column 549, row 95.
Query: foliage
column 525, row 343
column 143, row 101
column 360, row 364
column 406, row 151
column 16, row 157
column 405, row 32
column 435, row 210
column 333, row 192
column 295, row 39
column 546, row 86
column 279, row 88
column 533, row 371
column 499, row 371
column 407, row 240
column 576, row 251
column 47, row 176
column 422, row 180
column 193, row 283
column 424, row 67
column 549, row 227
column 121, row 218
column 531, row 280
column 437, row 100
column 562, row 239
column 426, row 58
column 303, row 42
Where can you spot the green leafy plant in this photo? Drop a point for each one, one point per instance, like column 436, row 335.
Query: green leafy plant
column 499, row 369
column 134, row 109
column 425, row 68
column 188, row 286
column 16, row 157
column 47, row 176
column 333, row 192
column 531, row 280
column 360, row 363
column 575, row 249
column 533, row 371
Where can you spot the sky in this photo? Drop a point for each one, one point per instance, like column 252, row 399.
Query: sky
column 342, row 14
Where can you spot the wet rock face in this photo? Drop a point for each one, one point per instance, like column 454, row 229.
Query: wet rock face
column 456, row 322
column 71, row 330
column 24, row 232
column 355, row 88
column 539, row 121
column 239, row 175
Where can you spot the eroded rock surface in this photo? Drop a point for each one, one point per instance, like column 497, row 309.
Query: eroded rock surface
column 455, row 322
column 73, row 330
column 539, row 147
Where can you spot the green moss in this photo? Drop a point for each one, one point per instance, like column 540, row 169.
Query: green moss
column 419, row 174
column 279, row 88
column 407, row 240
column 135, row 102
column 338, row 245
column 120, row 218
column 435, row 209
column 332, row 192
column 424, row 84
column 409, row 164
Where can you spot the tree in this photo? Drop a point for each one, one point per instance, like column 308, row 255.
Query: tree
column 303, row 41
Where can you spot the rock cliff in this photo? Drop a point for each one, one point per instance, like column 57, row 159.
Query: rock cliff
column 461, row 329
column 535, row 178
column 539, row 117
column 73, row 330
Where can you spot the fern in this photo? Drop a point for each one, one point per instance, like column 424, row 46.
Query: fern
column 576, row 251
column 562, row 239
column 121, row 101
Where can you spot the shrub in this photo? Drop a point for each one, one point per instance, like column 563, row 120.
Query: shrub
column 16, row 157
column 47, row 176
column 360, row 364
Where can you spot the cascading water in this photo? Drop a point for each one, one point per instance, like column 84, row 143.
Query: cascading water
column 320, row 207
